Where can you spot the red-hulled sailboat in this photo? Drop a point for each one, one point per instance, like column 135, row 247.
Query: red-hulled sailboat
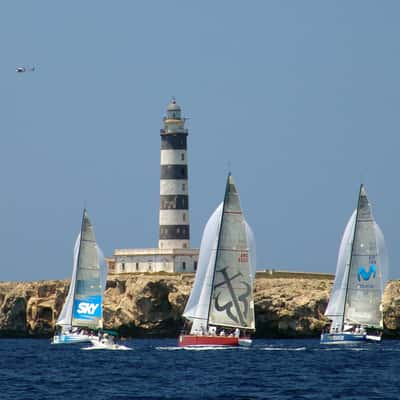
column 221, row 306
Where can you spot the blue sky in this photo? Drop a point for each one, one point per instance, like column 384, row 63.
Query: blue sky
column 300, row 99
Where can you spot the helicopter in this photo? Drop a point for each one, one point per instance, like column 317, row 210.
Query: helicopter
column 20, row 70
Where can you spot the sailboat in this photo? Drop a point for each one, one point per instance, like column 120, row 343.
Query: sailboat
column 355, row 307
column 82, row 313
column 221, row 306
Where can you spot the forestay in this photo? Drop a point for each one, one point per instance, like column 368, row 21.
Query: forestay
column 232, row 287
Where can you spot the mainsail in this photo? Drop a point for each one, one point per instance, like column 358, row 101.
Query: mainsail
column 83, row 304
column 361, row 271
column 222, row 294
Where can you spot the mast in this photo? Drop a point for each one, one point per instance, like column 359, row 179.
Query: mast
column 351, row 255
column 77, row 261
column 219, row 239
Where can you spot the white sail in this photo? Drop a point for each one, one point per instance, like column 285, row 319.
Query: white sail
column 335, row 308
column 83, row 304
column 198, row 304
column 65, row 317
column 232, row 302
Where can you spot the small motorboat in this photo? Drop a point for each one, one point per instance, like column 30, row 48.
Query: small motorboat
column 106, row 342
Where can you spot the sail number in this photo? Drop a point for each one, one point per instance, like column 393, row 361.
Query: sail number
column 244, row 257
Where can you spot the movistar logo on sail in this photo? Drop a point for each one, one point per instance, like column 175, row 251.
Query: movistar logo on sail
column 88, row 308
column 366, row 275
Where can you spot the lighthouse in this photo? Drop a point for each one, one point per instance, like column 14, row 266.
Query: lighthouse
column 174, row 194
column 173, row 253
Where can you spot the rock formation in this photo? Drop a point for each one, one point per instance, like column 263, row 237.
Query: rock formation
column 147, row 305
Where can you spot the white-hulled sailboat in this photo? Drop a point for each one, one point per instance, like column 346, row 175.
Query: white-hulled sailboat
column 221, row 306
column 82, row 313
column 355, row 303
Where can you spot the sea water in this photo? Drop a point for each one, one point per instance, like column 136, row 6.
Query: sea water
column 158, row 369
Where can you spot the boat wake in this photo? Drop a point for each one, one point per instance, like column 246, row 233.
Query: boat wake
column 284, row 348
column 169, row 348
column 358, row 349
column 122, row 348
column 194, row 348
column 331, row 348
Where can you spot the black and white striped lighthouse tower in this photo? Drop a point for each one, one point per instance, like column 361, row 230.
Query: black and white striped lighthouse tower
column 174, row 198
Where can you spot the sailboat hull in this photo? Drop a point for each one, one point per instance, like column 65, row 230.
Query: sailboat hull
column 345, row 338
column 212, row 341
column 71, row 339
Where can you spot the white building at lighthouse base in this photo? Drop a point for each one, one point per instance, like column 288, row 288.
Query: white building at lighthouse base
column 153, row 260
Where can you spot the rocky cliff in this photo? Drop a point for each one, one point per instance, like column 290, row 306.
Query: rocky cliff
column 142, row 305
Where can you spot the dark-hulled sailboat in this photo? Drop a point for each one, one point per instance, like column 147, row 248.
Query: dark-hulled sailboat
column 355, row 304
column 221, row 306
